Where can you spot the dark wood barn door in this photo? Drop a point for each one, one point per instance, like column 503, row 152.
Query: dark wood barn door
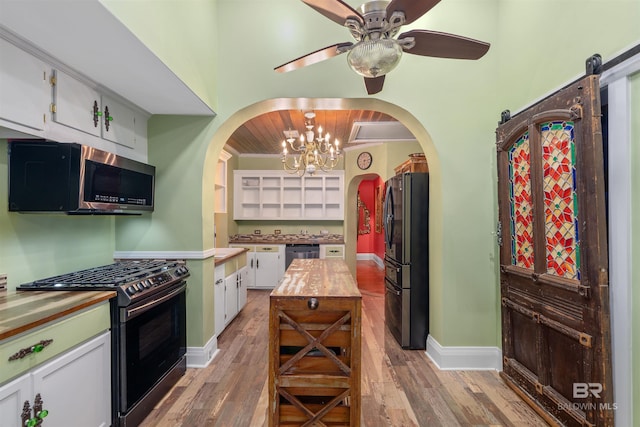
column 553, row 258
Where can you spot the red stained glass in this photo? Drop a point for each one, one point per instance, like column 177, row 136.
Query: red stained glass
column 521, row 207
column 560, row 199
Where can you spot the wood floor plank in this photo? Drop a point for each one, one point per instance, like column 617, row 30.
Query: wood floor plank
column 400, row 388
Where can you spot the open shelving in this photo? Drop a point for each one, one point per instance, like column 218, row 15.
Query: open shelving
column 276, row 195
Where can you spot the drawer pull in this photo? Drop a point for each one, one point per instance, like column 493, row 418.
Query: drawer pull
column 313, row 303
column 36, row 348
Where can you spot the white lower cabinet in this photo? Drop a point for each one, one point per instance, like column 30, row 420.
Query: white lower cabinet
column 75, row 388
column 230, row 297
column 230, row 291
column 266, row 265
column 243, row 278
column 219, row 302
column 12, row 398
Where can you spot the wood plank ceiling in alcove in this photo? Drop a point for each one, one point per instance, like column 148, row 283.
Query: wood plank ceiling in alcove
column 264, row 134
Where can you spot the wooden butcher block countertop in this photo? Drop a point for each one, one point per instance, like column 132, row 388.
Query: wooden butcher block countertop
column 21, row 311
column 317, row 278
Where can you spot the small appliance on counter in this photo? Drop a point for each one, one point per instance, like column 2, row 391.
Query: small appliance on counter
column 148, row 330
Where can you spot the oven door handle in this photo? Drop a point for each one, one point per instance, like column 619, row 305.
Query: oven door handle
column 132, row 312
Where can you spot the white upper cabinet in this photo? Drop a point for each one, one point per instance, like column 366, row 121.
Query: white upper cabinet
column 76, row 105
column 121, row 124
column 79, row 106
column 277, row 195
column 24, row 87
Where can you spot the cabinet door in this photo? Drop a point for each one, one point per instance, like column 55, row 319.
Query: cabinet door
column 267, row 269
column 76, row 387
column 118, row 123
column 76, row 104
column 219, row 304
column 26, row 93
column 12, row 398
column 230, row 298
column 243, row 274
column 250, row 281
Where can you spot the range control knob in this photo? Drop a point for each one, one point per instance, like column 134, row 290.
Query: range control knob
column 131, row 290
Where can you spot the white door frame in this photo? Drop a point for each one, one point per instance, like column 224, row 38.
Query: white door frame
column 616, row 80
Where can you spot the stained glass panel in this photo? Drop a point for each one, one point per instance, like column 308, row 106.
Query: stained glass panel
column 520, row 203
column 560, row 199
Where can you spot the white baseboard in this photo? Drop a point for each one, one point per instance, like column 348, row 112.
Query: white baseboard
column 464, row 358
column 370, row 257
column 200, row 357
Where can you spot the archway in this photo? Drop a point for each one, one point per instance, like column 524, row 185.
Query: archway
column 351, row 185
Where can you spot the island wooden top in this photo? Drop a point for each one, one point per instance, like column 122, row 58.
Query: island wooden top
column 317, row 278
column 21, row 311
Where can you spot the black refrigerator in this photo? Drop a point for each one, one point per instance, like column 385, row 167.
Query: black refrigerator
column 406, row 259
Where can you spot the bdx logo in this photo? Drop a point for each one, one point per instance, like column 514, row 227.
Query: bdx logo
column 583, row 390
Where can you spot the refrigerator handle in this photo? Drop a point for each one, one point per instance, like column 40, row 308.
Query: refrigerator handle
column 388, row 216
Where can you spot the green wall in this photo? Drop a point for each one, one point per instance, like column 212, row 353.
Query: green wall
column 184, row 211
column 183, row 34
column 35, row 246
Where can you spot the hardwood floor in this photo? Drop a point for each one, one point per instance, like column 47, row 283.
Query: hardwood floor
column 399, row 387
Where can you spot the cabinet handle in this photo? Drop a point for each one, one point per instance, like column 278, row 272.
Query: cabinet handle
column 218, row 281
column 39, row 414
column 107, row 118
column 257, row 263
column 96, row 114
column 36, row 348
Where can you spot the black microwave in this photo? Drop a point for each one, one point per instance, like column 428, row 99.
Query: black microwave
column 48, row 176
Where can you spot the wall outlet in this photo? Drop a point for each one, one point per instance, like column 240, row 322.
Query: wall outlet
column 277, row 231
column 257, row 232
column 3, row 282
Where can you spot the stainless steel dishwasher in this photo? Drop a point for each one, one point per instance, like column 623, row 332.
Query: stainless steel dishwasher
column 301, row 251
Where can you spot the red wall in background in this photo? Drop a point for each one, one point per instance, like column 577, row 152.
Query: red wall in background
column 378, row 243
column 372, row 243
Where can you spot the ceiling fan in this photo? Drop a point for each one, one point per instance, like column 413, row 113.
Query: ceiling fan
column 376, row 51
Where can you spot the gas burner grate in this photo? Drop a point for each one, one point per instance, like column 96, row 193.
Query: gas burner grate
column 107, row 275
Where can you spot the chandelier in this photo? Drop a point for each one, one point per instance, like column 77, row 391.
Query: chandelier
column 311, row 152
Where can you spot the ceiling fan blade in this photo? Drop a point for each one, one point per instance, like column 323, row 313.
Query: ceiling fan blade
column 413, row 9
column 444, row 45
column 313, row 57
column 374, row 85
column 336, row 10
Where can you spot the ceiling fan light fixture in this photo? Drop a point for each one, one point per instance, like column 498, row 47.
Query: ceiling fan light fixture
column 374, row 58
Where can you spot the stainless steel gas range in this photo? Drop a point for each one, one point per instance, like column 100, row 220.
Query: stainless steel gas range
column 148, row 328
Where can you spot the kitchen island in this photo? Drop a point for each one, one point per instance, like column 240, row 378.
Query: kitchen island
column 315, row 345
